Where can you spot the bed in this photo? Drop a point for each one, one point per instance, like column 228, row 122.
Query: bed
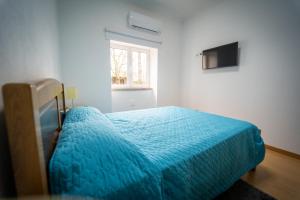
column 159, row 153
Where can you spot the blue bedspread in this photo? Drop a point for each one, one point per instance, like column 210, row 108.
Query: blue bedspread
column 159, row 153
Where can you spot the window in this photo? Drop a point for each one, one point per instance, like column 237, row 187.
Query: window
column 130, row 66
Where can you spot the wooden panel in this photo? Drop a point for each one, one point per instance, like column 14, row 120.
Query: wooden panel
column 22, row 105
column 22, row 120
column 47, row 89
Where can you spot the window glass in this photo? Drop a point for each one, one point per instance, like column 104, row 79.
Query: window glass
column 129, row 66
column 118, row 66
column 135, row 67
column 143, row 68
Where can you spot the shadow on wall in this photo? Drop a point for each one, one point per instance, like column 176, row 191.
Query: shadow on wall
column 221, row 70
column 7, row 186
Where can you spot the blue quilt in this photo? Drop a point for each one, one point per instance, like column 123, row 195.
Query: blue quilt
column 159, row 153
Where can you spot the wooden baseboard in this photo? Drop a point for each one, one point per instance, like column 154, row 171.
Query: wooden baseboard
column 288, row 153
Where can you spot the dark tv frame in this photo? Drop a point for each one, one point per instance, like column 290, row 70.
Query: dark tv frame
column 234, row 44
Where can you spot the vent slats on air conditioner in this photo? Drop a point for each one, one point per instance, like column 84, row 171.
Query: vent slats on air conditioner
column 142, row 22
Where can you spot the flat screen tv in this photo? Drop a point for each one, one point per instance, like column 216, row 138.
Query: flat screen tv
column 222, row 56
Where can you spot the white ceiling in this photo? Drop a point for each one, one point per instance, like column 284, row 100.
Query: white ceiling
column 185, row 8
column 180, row 8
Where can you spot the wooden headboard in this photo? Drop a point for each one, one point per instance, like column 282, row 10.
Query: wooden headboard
column 33, row 118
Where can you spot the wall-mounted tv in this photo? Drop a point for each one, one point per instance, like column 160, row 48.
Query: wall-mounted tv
column 222, row 56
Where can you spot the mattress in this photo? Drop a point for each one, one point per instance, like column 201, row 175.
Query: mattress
column 159, row 153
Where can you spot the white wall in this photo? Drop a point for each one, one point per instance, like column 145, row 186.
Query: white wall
column 131, row 100
column 265, row 88
column 28, row 51
column 85, row 51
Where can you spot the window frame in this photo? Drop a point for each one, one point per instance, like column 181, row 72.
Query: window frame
column 130, row 48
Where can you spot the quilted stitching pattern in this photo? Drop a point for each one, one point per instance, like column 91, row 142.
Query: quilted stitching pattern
column 92, row 159
column 160, row 153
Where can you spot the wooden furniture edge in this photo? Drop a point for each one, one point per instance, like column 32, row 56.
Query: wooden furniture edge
column 22, row 102
column 282, row 151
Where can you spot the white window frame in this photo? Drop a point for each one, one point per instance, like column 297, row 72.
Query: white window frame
column 132, row 48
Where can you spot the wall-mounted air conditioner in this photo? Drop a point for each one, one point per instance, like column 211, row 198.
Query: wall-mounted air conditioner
column 142, row 22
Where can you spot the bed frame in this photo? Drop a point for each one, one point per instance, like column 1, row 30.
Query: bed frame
column 34, row 119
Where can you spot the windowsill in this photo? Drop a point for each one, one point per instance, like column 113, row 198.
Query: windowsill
column 130, row 88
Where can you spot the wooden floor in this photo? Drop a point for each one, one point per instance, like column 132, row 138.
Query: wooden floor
column 278, row 175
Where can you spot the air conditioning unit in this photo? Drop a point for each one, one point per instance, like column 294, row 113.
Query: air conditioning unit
column 142, row 22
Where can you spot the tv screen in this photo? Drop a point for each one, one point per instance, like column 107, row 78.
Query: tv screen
column 222, row 56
